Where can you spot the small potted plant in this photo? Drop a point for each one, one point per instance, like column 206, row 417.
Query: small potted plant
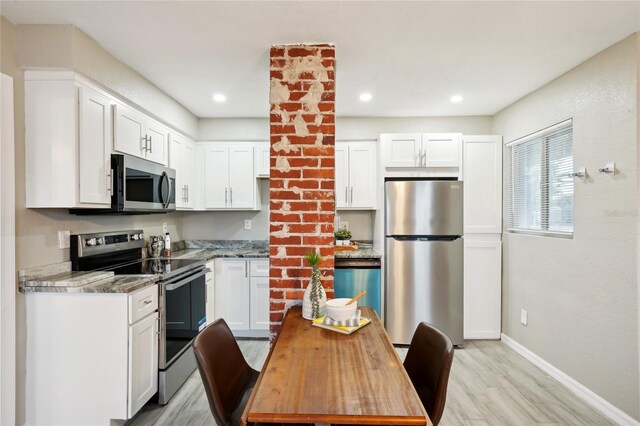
column 343, row 237
column 314, row 301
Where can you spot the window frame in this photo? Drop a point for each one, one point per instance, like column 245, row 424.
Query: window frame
column 544, row 183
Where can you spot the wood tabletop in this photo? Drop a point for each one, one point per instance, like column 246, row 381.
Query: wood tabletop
column 314, row 375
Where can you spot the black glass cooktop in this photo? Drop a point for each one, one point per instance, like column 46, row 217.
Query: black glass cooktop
column 165, row 267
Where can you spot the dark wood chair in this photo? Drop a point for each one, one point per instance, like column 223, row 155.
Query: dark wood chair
column 428, row 364
column 228, row 379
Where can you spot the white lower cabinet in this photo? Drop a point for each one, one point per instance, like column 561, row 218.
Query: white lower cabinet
column 143, row 362
column 482, row 286
column 242, row 295
column 90, row 357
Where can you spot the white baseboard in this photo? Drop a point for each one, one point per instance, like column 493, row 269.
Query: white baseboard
column 586, row 394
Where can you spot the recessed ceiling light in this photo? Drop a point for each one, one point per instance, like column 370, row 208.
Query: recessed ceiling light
column 219, row 97
column 455, row 99
column 365, row 97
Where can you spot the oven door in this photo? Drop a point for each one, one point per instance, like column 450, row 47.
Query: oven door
column 143, row 186
column 182, row 314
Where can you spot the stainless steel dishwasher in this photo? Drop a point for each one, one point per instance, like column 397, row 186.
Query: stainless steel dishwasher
column 352, row 275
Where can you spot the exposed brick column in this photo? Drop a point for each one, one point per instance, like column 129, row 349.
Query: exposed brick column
column 302, row 206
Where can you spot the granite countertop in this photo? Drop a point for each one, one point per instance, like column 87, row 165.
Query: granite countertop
column 208, row 250
column 59, row 278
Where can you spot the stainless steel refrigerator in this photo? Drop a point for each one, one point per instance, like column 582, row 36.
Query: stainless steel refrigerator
column 423, row 268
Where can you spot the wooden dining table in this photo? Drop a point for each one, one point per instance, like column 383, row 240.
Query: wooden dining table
column 313, row 375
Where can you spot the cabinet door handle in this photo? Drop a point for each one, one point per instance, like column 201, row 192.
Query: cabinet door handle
column 110, row 182
column 187, row 193
column 230, row 197
column 150, row 145
column 424, row 158
column 419, row 158
column 346, row 195
column 225, row 196
column 146, row 302
column 246, row 270
column 351, row 198
column 143, row 143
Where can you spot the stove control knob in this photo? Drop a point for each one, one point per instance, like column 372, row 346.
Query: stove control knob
column 135, row 237
column 140, row 236
column 99, row 241
column 90, row 242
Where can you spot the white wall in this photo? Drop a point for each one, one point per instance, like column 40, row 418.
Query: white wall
column 347, row 128
column 581, row 294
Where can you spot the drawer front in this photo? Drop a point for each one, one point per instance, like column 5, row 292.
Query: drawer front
column 259, row 268
column 142, row 303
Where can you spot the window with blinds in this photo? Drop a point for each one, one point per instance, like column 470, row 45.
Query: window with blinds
column 540, row 182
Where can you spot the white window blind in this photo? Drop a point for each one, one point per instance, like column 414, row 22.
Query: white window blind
column 540, row 182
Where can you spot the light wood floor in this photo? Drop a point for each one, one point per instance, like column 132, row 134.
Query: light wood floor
column 489, row 385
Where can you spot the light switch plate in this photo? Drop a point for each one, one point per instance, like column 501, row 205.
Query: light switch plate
column 247, row 224
column 524, row 317
column 344, row 225
column 164, row 228
column 64, row 239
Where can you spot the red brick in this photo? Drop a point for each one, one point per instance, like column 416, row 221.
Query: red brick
column 318, row 217
column 276, row 75
column 302, row 228
column 284, row 217
column 292, row 106
column 302, row 140
column 299, row 272
column 315, row 240
column 298, row 251
column 277, row 63
column 326, row 107
column 277, row 52
column 293, row 174
column 276, row 183
column 303, row 162
column 327, row 184
column 303, row 206
column 328, row 63
column 328, row 96
column 304, row 183
column 276, row 294
column 286, row 261
column 277, row 306
column 283, row 195
column 283, row 129
column 318, row 151
column 318, row 173
column 291, row 240
column 307, row 75
column 301, row 52
column 276, row 316
column 328, row 139
column 296, row 96
column 318, row 195
column 294, row 295
column 327, row 206
column 274, row 273
column 328, row 53
column 328, row 162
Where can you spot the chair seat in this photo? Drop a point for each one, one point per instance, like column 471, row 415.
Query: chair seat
column 236, row 415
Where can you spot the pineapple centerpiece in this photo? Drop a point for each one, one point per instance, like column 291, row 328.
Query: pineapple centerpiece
column 314, row 302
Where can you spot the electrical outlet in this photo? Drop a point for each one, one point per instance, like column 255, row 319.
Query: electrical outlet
column 64, row 239
column 164, row 228
column 344, row 225
column 247, row 224
column 524, row 317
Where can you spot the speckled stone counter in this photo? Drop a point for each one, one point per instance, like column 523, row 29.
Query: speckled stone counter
column 208, row 250
column 59, row 278
column 365, row 251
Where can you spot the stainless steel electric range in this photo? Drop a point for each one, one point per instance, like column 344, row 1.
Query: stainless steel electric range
column 181, row 290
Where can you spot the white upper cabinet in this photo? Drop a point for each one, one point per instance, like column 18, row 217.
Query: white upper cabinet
column 95, row 147
column 182, row 158
column 482, row 173
column 421, row 150
column 229, row 180
column 401, row 150
column 67, row 142
column 261, row 155
column 355, row 175
column 441, row 149
column 138, row 135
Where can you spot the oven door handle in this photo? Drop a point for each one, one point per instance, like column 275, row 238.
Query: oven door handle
column 186, row 280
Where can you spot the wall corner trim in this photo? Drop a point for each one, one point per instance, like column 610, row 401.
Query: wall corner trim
column 581, row 391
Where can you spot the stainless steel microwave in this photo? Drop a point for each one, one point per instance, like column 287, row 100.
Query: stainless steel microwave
column 139, row 187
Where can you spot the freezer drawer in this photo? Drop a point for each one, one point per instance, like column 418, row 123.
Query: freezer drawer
column 424, row 283
column 423, row 207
